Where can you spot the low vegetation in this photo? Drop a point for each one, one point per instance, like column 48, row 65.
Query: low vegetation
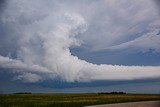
column 69, row 100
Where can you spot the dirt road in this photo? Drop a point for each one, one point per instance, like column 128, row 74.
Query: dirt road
column 132, row 104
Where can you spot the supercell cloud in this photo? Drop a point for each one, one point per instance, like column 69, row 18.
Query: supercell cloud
column 36, row 37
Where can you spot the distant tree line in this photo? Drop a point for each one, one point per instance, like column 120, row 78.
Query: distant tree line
column 114, row 92
column 23, row 93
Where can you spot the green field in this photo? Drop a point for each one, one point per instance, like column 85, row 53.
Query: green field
column 69, row 100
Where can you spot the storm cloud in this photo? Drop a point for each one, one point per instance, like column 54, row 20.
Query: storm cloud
column 36, row 37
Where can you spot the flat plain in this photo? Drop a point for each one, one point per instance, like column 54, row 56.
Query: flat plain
column 70, row 100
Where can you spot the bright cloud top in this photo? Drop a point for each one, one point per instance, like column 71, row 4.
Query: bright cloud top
column 44, row 31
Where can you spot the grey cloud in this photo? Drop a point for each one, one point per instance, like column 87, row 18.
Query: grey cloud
column 2, row 4
column 152, row 41
column 157, row 2
column 119, row 22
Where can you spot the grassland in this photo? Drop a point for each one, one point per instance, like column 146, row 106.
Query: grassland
column 69, row 100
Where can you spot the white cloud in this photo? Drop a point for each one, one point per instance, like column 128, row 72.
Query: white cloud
column 45, row 33
column 29, row 77
column 6, row 62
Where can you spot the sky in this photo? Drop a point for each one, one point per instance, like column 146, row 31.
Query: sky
column 60, row 46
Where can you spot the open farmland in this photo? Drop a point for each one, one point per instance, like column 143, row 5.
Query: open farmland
column 70, row 100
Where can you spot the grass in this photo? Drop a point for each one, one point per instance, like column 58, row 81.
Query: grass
column 70, row 100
